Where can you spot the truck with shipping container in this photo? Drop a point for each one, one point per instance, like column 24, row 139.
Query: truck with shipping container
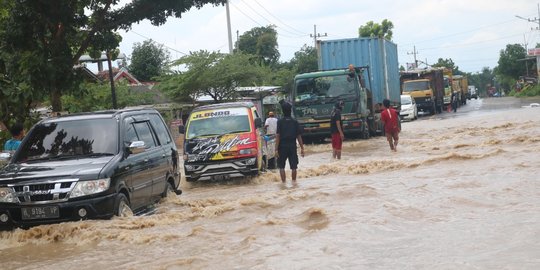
column 360, row 72
column 447, row 79
column 426, row 86
column 460, row 84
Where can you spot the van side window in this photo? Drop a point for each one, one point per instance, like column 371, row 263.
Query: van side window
column 145, row 134
column 161, row 129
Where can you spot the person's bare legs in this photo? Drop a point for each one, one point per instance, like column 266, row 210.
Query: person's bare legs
column 293, row 175
column 282, row 175
column 338, row 154
column 396, row 139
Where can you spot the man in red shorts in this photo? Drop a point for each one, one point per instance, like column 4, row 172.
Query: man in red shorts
column 336, row 129
column 390, row 119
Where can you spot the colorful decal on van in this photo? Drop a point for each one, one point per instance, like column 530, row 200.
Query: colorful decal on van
column 220, row 147
column 220, row 134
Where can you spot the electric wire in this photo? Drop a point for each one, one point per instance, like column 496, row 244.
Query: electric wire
column 290, row 27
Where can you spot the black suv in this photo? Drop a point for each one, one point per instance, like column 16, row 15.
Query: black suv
column 89, row 165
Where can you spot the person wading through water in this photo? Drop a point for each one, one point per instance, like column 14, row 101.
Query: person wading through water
column 288, row 132
column 390, row 119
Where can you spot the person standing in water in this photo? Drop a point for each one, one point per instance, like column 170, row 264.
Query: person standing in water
column 390, row 118
column 287, row 133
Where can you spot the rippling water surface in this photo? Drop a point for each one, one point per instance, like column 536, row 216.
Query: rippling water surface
column 462, row 192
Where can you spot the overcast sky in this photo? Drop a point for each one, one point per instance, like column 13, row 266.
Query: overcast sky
column 470, row 32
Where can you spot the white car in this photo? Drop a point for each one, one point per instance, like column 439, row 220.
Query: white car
column 408, row 108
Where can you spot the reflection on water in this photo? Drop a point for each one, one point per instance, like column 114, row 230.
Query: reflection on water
column 461, row 193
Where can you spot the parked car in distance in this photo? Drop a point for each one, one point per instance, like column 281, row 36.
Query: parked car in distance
column 89, row 166
column 226, row 140
column 408, row 111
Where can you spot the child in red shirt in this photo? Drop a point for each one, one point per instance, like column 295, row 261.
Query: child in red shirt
column 390, row 119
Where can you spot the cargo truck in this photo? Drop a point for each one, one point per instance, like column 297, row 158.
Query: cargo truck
column 461, row 85
column 447, row 81
column 426, row 86
column 361, row 72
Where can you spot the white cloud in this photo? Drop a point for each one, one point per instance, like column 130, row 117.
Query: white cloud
column 471, row 32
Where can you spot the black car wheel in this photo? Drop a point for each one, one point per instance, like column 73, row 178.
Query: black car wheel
column 122, row 208
column 169, row 190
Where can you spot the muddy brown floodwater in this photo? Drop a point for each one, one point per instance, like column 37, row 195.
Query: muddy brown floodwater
column 462, row 192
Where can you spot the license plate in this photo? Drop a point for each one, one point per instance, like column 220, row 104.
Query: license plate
column 220, row 177
column 40, row 212
column 324, row 125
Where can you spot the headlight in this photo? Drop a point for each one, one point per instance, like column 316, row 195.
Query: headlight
column 83, row 188
column 7, row 195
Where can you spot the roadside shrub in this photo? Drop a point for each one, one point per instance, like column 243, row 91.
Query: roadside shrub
column 528, row 91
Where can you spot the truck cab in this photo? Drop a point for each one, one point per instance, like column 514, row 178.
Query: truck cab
column 225, row 140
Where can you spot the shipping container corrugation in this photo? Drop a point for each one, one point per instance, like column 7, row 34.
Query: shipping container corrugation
column 379, row 54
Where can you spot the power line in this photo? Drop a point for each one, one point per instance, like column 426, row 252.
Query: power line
column 459, row 33
column 271, row 22
column 294, row 29
column 255, row 21
column 147, row 38
column 469, row 44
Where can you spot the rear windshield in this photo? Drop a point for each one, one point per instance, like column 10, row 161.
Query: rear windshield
column 70, row 139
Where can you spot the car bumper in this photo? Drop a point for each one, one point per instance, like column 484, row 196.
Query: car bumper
column 219, row 170
column 407, row 115
column 96, row 208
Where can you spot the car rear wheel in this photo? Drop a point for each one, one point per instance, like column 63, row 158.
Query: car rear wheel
column 122, row 208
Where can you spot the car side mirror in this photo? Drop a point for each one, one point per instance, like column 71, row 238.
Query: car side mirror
column 137, row 147
column 258, row 123
column 181, row 129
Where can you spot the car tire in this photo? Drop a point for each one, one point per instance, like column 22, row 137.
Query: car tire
column 169, row 190
column 122, row 207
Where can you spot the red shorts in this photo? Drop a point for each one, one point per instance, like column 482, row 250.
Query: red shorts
column 336, row 141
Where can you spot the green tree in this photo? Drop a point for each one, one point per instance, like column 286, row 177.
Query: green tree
column 213, row 74
column 304, row 60
column 47, row 38
column 97, row 96
column 482, row 80
column 382, row 30
column 261, row 42
column 148, row 60
column 509, row 64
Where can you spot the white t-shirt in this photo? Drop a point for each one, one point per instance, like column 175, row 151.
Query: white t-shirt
column 271, row 123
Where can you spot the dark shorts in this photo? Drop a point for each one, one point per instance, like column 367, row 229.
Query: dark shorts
column 290, row 154
column 336, row 141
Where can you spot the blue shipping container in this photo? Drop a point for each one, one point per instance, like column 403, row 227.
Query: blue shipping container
column 379, row 54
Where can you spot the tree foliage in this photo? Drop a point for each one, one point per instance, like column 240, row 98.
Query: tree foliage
column 148, row 60
column 47, row 38
column 261, row 42
column 382, row 30
column 213, row 74
column 509, row 64
column 97, row 96
column 448, row 63
column 482, row 80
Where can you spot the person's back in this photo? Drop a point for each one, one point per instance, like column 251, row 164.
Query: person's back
column 17, row 134
column 271, row 124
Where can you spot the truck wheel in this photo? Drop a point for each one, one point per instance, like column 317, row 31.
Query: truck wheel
column 122, row 208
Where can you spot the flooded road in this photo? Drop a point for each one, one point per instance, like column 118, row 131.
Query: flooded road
column 462, row 192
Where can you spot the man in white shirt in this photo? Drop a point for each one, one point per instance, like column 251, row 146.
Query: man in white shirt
column 270, row 124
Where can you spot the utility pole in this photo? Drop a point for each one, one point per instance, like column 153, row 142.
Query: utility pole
column 414, row 53
column 534, row 51
column 229, row 27
column 315, row 35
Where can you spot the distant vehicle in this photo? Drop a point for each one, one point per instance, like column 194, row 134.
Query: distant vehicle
column 226, row 140
column 426, row 86
column 408, row 111
column 473, row 92
column 360, row 72
column 89, row 166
